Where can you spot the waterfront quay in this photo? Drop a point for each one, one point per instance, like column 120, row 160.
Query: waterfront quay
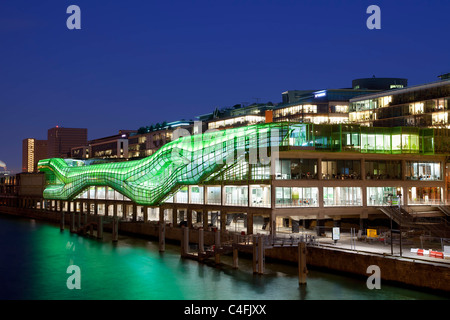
column 349, row 255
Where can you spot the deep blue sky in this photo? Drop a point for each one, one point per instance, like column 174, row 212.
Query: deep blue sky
column 136, row 63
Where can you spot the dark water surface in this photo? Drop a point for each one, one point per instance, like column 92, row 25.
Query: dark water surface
column 34, row 257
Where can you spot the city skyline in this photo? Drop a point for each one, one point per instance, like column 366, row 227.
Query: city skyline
column 130, row 66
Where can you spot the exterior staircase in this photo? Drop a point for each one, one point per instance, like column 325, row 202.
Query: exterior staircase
column 407, row 218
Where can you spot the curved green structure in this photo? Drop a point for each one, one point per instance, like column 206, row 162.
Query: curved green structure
column 199, row 159
column 185, row 161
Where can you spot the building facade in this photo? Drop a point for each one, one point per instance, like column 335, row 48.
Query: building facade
column 33, row 150
column 261, row 177
column 424, row 105
column 61, row 140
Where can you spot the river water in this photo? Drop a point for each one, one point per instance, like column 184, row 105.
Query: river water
column 35, row 256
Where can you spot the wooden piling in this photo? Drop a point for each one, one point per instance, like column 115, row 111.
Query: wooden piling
column 72, row 222
column 217, row 246
column 260, row 255
column 201, row 241
column 235, row 258
column 302, row 270
column 255, row 255
column 162, row 236
column 115, row 229
column 100, row 227
column 62, row 222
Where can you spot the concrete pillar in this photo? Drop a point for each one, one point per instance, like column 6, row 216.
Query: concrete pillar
column 189, row 218
column 184, row 241
column 134, row 212
column 249, row 223
column 205, row 219
column 145, row 213
column 223, row 220
column 174, row 217
column 302, row 271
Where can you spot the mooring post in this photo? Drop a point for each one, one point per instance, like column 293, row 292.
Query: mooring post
column 201, row 241
column 162, row 236
column 235, row 257
column 79, row 221
column 100, row 227
column 217, row 245
column 115, row 229
column 235, row 251
column 184, row 241
column 85, row 223
column 255, row 254
column 260, row 255
column 62, row 221
column 302, row 271
column 72, row 221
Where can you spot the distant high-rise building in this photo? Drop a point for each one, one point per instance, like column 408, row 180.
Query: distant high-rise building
column 62, row 140
column 32, row 151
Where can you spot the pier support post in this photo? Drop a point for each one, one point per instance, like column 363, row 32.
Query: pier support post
column 72, row 221
column 85, row 223
column 201, row 241
column 302, row 271
column 62, row 221
column 235, row 256
column 184, row 241
column 217, row 246
column 115, row 229
column 255, row 254
column 100, row 227
column 79, row 221
column 162, row 236
column 260, row 255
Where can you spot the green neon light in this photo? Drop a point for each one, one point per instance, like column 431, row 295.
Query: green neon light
column 185, row 161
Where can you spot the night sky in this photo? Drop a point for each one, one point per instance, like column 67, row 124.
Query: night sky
column 136, row 63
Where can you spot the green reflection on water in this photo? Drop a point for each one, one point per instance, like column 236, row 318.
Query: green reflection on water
column 34, row 257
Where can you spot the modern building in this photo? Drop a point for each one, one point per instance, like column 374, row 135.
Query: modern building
column 61, row 140
column 424, row 105
column 149, row 139
column 112, row 147
column 261, row 177
column 382, row 84
column 33, row 150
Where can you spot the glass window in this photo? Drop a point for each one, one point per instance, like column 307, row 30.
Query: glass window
column 296, row 197
column 341, row 169
column 424, row 195
column 296, row 169
column 383, row 169
column 260, row 196
column 381, row 196
column 213, row 195
column 342, row 196
column 416, row 170
column 196, row 194
column 236, row 195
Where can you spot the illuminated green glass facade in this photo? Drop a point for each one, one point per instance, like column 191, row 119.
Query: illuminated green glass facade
column 226, row 155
